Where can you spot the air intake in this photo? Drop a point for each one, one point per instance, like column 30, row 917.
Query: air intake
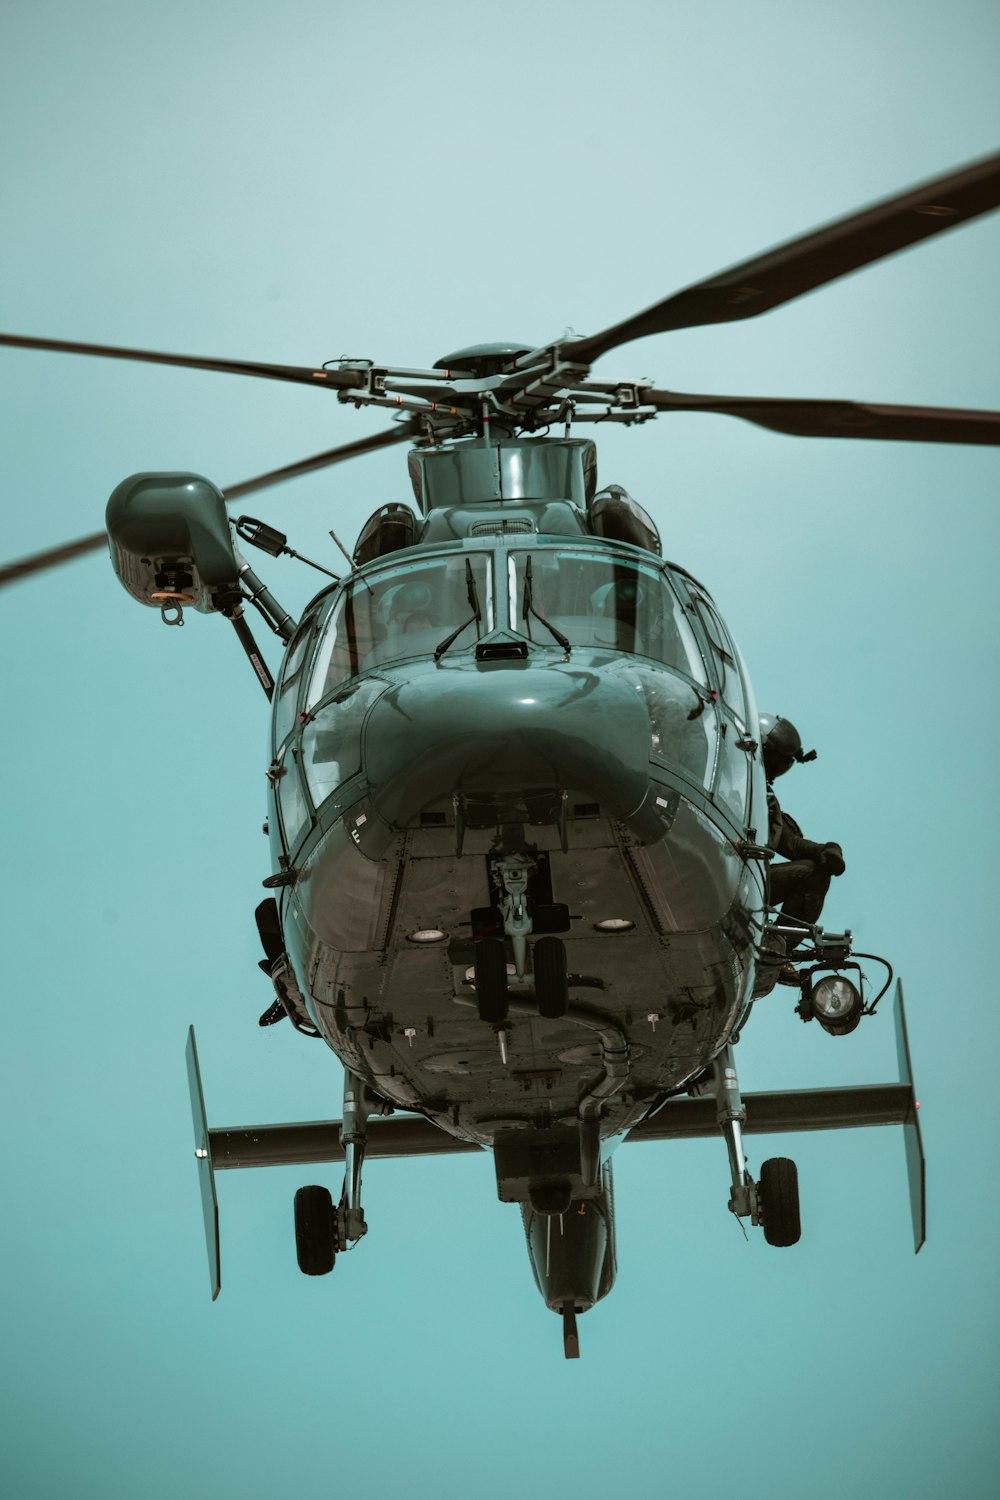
column 500, row 649
column 501, row 528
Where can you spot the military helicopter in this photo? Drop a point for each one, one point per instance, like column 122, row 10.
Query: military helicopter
column 517, row 809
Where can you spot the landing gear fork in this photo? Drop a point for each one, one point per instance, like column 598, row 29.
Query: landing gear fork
column 773, row 1202
column 512, row 877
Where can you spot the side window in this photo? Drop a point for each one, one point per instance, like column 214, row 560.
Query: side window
column 724, row 654
column 331, row 741
column 735, row 723
column 683, row 728
column 286, row 698
column 732, row 773
column 292, row 805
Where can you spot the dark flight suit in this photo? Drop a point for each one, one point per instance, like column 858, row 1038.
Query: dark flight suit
column 800, row 885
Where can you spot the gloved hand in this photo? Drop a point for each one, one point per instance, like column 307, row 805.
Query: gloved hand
column 832, row 859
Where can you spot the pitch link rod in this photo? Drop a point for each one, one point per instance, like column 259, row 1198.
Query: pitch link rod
column 400, row 402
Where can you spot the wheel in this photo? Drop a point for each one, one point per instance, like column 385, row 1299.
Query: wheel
column 779, row 1201
column 315, row 1231
column 491, row 979
column 551, row 989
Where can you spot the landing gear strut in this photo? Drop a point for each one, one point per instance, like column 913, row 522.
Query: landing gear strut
column 354, row 1139
column 320, row 1229
column 512, row 877
column 772, row 1203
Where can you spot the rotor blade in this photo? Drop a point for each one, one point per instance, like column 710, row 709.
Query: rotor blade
column 299, row 374
column 51, row 558
column 405, row 432
column 841, row 419
column 811, row 260
column 39, row 562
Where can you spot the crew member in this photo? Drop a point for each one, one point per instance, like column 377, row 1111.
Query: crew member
column 799, row 884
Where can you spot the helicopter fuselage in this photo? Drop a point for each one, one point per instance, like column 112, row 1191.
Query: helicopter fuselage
column 515, row 788
column 610, row 758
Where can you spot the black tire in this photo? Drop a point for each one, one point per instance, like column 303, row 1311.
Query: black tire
column 491, row 980
column 551, row 988
column 315, row 1231
column 779, row 1201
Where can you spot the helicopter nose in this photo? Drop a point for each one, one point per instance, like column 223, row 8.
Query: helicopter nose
column 487, row 732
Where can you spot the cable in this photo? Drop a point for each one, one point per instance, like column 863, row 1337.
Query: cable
column 870, row 1009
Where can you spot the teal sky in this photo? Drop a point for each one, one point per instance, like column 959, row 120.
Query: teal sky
column 296, row 183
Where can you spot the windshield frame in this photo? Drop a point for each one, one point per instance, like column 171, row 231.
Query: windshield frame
column 694, row 666
column 391, row 575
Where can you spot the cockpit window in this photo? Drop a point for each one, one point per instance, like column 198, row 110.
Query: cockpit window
column 288, row 685
column 725, row 652
column 600, row 600
column 403, row 612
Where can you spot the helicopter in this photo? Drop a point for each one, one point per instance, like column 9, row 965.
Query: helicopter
column 517, row 808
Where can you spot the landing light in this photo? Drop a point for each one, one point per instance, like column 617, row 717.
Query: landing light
column 836, row 1004
column 614, row 924
column 427, row 935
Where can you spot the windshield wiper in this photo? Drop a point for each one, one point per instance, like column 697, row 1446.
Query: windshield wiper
column 476, row 618
column 528, row 608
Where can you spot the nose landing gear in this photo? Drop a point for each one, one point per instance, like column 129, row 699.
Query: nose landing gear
column 543, row 968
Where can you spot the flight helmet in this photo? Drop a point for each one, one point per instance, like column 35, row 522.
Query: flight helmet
column 781, row 746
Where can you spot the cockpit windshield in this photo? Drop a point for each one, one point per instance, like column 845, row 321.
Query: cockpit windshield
column 600, row 600
column 402, row 612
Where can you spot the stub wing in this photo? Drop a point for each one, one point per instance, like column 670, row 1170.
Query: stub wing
column 307, row 1142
